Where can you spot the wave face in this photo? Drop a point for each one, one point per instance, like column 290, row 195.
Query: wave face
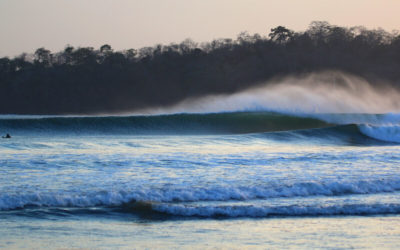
column 360, row 128
column 240, row 122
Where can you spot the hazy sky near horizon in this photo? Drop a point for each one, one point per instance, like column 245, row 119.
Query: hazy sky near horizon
column 26, row 25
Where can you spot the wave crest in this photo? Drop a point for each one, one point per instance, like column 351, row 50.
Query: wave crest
column 223, row 193
column 390, row 133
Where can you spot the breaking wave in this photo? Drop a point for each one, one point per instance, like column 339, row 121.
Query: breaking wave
column 169, row 200
column 389, row 133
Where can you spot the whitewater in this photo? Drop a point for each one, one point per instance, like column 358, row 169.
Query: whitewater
column 221, row 171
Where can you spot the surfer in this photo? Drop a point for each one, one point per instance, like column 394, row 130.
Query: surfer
column 7, row 136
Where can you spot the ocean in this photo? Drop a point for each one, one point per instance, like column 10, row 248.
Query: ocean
column 201, row 180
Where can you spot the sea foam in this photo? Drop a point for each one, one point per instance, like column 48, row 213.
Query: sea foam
column 267, row 211
column 184, row 194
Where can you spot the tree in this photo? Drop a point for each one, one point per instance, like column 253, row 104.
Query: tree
column 84, row 56
column 42, row 57
column 130, row 54
column 281, row 34
column 67, row 54
column 105, row 49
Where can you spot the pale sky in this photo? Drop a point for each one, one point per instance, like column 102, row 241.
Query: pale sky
column 26, row 25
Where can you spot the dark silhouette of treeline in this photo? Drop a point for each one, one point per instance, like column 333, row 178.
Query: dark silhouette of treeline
column 88, row 81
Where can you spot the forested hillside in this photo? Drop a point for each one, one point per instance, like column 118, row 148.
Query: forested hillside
column 86, row 80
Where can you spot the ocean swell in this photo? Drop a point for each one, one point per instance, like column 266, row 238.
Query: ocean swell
column 383, row 127
column 238, row 122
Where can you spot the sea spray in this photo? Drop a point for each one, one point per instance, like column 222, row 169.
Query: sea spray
column 323, row 92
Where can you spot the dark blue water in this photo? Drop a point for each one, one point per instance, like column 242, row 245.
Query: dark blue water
column 186, row 180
